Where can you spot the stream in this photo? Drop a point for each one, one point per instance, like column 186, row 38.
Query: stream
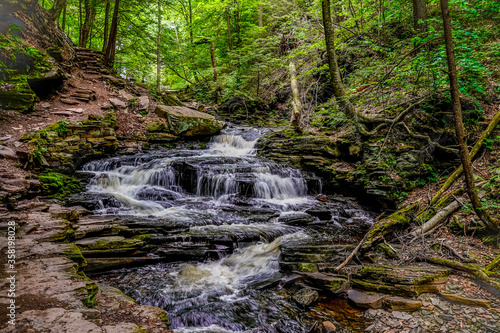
column 231, row 216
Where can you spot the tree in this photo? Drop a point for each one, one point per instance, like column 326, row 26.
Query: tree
column 419, row 15
column 158, row 51
column 338, row 87
column 109, row 56
column 89, row 19
column 106, row 26
column 56, row 9
column 459, row 126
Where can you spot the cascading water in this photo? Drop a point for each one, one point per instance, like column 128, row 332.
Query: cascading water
column 222, row 194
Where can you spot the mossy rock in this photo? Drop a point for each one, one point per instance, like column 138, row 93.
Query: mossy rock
column 183, row 121
column 109, row 243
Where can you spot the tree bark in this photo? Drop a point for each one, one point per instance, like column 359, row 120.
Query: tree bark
column 109, row 56
column 80, row 22
column 419, row 15
column 296, row 104
column 89, row 19
column 338, row 87
column 191, row 39
column 459, row 126
column 229, row 39
column 56, row 9
column 158, row 51
column 212, row 54
column 106, row 26
column 64, row 17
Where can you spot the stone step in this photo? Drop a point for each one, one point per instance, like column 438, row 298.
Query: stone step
column 69, row 101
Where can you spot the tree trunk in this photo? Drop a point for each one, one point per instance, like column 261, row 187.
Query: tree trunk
column 56, row 9
column 237, row 21
column 109, row 56
column 106, row 26
column 64, row 17
column 212, row 54
column 158, row 51
column 190, row 22
column 80, row 22
column 419, row 15
column 89, row 19
column 457, row 114
column 229, row 39
column 338, row 87
column 296, row 104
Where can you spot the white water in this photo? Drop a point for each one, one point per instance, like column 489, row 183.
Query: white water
column 231, row 170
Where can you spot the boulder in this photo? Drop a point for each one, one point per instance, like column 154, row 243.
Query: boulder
column 331, row 282
column 187, row 122
column 365, row 300
column 6, row 152
column 305, row 297
column 143, row 103
column 118, row 103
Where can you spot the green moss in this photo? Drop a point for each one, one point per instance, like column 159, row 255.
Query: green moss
column 163, row 317
column 58, row 185
column 90, row 300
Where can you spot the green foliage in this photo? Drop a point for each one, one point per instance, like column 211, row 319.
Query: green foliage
column 58, row 185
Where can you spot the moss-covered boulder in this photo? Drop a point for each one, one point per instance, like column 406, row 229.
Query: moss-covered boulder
column 109, row 246
column 187, row 122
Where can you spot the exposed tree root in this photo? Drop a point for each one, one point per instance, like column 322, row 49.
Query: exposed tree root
column 493, row 264
column 429, row 140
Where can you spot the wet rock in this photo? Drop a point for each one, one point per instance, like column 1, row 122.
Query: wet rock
column 108, row 245
column 187, row 122
column 92, row 201
column 8, row 153
column 296, row 218
column 365, row 300
column 305, row 297
column 401, row 281
column 322, row 214
column 328, row 327
column 466, row 300
column 331, row 282
column 402, row 304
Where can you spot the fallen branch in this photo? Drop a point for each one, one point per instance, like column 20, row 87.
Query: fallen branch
column 453, row 177
column 436, row 219
column 493, row 264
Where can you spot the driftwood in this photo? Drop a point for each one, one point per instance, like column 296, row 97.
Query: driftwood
column 453, row 177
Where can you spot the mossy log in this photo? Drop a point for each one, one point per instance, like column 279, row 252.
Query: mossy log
column 436, row 219
column 475, row 270
column 453, row 177
column 493, row 264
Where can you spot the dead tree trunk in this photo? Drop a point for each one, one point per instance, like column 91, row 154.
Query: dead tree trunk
column 459, row 126
column 296, row 104
column 212, row 54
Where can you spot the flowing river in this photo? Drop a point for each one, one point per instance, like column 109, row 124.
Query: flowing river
column 245, row 208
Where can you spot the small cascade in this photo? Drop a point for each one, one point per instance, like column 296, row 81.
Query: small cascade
column 218, row 220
